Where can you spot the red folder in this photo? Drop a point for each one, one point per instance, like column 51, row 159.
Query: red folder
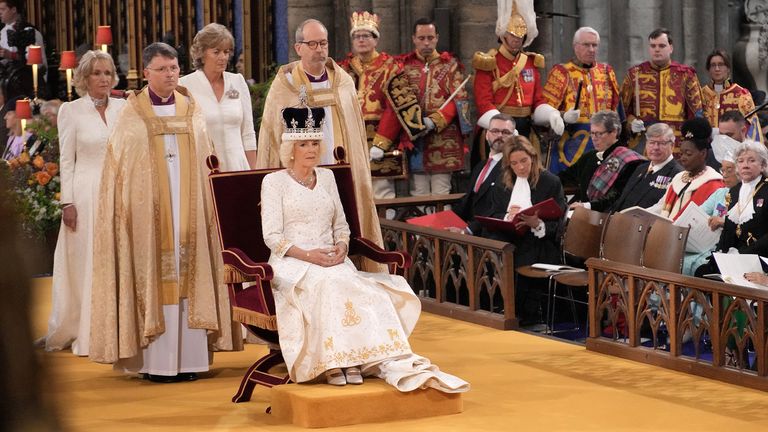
column 439, row 220
column 548, row 210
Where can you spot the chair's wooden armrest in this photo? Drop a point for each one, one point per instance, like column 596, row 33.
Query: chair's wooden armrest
column 239, row 260
column 369, row 249
column 418, row 200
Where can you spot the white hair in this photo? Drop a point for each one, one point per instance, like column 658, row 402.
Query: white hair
column 585, row 30
column 758, row 149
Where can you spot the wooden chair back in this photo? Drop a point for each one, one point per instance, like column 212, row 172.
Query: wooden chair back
column 624, row 238
column 583, row 233
column 664, row 247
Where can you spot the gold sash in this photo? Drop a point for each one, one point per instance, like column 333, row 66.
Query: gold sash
column 510, row 79
column 175, row 282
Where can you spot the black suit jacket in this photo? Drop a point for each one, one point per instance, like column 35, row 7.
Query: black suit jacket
column 646, row 190
column 478, row 203
column 754, row 232
column 530, row 249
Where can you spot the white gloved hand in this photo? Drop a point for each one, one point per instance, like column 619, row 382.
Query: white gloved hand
column 637, row 126
column 429, row 123
column 377, row 154
column 556, row 123
column 571, row 116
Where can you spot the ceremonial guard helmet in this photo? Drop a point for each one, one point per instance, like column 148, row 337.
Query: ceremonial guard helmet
column 518, row 18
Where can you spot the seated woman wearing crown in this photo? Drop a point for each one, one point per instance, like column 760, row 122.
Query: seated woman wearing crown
column 333, row 320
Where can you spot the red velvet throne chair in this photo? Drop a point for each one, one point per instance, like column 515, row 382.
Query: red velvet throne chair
column 237, row 198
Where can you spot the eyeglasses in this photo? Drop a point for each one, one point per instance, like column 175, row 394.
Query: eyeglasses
column 314, row 44
column 727, row 171
column 717, row 65
column 362, row 36
column 505, row 132
column 598, row 134
column 164, row 69
column 657, row 143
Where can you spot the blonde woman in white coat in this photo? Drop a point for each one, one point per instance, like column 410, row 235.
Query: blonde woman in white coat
column 223, row 97
column 84, row 128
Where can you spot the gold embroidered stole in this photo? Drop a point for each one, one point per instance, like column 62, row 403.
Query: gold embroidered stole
column 175, row 282
column 321, row 98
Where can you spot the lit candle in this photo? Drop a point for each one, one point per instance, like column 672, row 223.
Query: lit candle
column 34, row 58
column 104, row 37
column 67, row 63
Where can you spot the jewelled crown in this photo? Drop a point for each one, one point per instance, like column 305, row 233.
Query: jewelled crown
column 364, row 21
column 302, row 122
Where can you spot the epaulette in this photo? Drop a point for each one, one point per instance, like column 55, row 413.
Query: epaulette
column 538, row 59
column 484, row 61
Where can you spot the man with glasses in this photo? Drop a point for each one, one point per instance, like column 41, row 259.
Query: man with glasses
column 660, row 90
column 601, row 174
column 371, row 71
column 437, row 148
column 477, row 200
column 650, row 179
column 315, row 79
column 157, row 298
column 581, row 81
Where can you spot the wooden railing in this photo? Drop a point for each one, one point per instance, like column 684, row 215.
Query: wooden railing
column 409, row 205
column 693, row 325
column 461, row 276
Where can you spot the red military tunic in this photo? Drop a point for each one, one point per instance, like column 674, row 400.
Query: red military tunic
column 433, row 80
column 370, row 80
column 670, row 95
column 733, row 97
column 507, row 82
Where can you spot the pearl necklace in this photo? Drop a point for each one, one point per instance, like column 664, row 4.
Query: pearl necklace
column 307, row 182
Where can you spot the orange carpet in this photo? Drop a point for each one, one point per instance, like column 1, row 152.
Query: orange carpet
column 520, row 382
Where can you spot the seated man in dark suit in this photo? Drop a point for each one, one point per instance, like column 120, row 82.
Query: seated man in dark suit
column 650, row 179
column 602, row 173
column 477, row 200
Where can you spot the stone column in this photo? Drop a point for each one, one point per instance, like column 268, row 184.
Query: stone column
column 389, row 24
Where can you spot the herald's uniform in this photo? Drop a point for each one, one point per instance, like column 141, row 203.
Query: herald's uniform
column 733, row 97
column 432, row 80
column 599, row 90
column 370, row 80
column 670, row 95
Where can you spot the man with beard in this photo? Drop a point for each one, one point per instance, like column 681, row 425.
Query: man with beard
column 324, row 84
column 433, row 77
column 477, row 201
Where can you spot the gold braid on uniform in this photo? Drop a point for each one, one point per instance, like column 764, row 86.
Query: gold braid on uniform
column 484, row 61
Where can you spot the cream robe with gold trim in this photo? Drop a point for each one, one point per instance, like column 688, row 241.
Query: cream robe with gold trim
column 128, row 273
column 348, row 132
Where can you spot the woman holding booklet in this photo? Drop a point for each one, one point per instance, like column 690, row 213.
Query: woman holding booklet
column 524, row 184
column 745, row 229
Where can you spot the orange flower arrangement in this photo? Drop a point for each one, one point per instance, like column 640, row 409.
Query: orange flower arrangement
column 37, row 182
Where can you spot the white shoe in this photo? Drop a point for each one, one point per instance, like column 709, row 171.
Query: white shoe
column 335, row 377
column 353, row 375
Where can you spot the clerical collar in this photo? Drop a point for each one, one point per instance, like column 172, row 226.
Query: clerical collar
column 157, row 100
column 317, row 78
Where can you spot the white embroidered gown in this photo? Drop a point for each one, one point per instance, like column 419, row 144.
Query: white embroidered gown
column 83, row 141
column 337, row 317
